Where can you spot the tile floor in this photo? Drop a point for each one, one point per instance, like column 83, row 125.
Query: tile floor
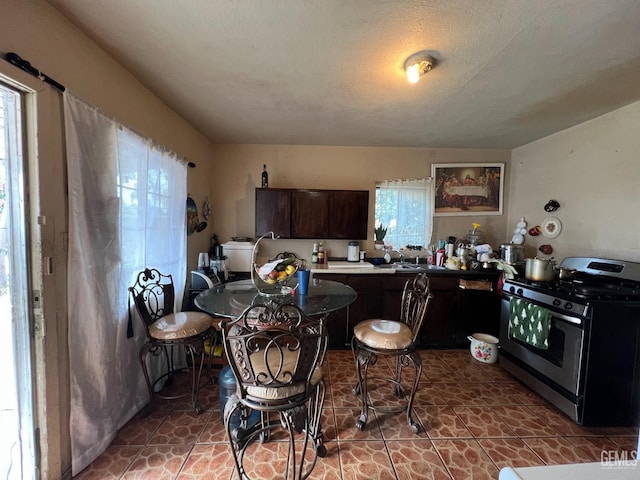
column 477, row 419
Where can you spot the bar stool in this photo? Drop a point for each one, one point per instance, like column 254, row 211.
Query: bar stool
column 275, row 353
column 154, row 298
column 392, row 338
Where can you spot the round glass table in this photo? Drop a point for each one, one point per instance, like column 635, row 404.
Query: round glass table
column 231, row 299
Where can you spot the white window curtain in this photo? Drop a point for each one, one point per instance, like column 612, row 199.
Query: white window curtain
column 406, row 208
column 126, row 212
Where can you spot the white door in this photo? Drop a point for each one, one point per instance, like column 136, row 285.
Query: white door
column 17, row 455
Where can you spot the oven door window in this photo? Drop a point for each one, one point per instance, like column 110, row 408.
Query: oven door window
column 561, row 362
column 556, row 340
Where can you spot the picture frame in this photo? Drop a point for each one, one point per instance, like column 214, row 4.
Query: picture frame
column 464, row 189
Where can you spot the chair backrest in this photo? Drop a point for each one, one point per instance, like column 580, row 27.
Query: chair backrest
column 415, row 302
column 274, row 347
column 153, row 295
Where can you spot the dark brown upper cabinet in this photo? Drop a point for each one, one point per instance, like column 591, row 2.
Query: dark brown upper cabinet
column 310, row 212
column 321, row 214
column 273, row 212
column 349, row 214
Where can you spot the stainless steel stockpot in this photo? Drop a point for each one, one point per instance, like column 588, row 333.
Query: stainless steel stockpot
column 540, row 270
column 512, row 253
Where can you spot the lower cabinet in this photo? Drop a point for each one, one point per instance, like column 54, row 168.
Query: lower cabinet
column 438, row 329
column 453, row 314
column 477, row 311
column 392, row 294
column 369, row 301
column 337, row 322
column 368, row 305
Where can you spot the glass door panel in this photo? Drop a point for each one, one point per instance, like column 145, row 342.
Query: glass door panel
column 17, row 453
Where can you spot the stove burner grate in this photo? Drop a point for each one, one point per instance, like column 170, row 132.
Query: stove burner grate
column 603, row 290
column 587, row 288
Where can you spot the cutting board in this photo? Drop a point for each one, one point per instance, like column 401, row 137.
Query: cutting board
column 345, row 264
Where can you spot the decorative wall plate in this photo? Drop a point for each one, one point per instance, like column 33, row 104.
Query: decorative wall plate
column 551, row 227
column 192, row 216
column 206, row 209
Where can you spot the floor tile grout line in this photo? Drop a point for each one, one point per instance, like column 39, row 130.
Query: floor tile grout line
column 184, row 462
column 527, row 404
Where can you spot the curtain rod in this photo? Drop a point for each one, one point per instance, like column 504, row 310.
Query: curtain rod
column 22, row 64
column 16, row 60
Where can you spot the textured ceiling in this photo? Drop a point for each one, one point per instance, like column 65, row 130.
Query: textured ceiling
column 329, row 72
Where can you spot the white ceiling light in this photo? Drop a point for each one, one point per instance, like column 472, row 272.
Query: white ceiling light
column 417, row 65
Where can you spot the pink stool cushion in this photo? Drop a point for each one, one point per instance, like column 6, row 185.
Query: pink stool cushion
column 384, row 334
column 180, row 325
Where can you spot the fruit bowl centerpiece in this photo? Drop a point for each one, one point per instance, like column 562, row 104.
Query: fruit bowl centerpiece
column 274, row 275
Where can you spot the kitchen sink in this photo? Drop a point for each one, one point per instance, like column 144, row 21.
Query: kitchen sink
column 409, row 266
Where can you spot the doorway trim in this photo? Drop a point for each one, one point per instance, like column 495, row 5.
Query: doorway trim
column 47, row 244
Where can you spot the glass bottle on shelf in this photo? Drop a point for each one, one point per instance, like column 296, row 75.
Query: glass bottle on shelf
column 474, row 237
column 314, row 253
column 265, row 177
column 320, row 253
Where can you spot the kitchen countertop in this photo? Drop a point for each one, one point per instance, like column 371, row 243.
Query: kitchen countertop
column 359, row 268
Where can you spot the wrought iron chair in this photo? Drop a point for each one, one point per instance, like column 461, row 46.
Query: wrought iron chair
column 275, row 353
column 392, row 338
column 154, row 298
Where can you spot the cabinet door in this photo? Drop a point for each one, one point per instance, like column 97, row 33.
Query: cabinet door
column 438, row 329
column 477, row 312
column 273, row 212
column 369, row 302
column 336, row 321
column 392, row 295
column 349, row 214
column 310, row 213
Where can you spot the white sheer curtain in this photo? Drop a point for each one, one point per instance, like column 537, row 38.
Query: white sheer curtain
column 126, row 212
column 406, row 207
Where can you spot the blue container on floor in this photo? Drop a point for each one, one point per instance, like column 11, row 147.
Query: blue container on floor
column 228, row 388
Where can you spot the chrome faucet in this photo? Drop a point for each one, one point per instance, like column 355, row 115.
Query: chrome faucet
column 401, row 256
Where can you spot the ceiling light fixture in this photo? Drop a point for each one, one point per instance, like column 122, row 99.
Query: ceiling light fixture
column 417, row 65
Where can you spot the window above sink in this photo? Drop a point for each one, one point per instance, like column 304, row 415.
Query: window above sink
column 406, row 206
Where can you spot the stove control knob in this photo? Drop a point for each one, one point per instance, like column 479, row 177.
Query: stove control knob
column 519, row 292
column 512, row 289
column 556, row 302
column 568, row 305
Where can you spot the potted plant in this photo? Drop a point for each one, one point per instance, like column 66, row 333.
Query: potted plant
column 379, row 233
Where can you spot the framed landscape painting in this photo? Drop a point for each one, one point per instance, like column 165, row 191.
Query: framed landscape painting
column 468, row 188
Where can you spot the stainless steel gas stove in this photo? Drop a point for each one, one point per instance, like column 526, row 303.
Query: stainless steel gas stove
column 590, row 365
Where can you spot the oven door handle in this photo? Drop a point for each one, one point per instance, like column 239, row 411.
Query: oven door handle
column 572, row 320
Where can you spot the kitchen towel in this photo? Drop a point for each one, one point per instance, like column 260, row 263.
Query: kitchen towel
column 529, row 323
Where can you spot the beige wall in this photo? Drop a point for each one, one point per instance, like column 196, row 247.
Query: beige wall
column 237, row 173
column 40, row 35
column 593, row 170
